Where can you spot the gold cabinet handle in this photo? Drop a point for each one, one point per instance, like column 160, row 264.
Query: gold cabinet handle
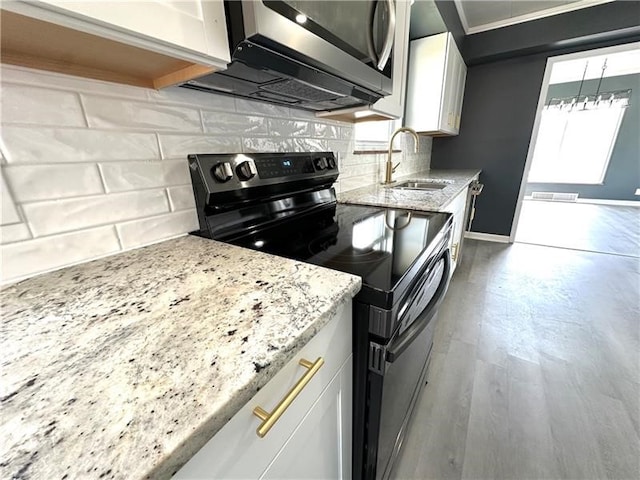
column 270, row 419
column 454, row 251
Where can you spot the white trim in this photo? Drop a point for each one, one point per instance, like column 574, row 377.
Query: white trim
column 461, row 15
column 487, row 237
column 541, row 101
column 617, row 203
column 549, row 12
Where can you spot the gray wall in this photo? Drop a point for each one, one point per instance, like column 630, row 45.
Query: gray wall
column 499, row 108
column 623, row 174
column 501, row 98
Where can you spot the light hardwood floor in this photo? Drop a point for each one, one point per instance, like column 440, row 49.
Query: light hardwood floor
column 536, row 369
column 581, row 226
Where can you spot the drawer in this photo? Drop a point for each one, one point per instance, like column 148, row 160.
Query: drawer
column 236, row 451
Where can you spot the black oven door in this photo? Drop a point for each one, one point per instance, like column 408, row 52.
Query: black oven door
column 349, row 38
column 393, row 389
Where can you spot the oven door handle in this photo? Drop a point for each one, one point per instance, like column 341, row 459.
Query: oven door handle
column 402, row 342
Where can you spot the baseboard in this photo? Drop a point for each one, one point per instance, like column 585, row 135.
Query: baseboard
column 619, row 203
column 596, row 201
column 487, row 237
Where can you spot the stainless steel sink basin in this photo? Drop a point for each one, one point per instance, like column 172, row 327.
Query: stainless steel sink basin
column 421, row 185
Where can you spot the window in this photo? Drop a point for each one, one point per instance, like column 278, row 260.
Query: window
column 575, row 141
column 374, row 135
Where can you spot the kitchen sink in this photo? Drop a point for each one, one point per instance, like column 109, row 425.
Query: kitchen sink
column 422, row 185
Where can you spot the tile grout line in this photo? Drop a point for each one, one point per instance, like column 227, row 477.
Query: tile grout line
column 85, row 117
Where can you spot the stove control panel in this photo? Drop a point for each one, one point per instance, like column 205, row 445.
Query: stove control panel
column 230, row 172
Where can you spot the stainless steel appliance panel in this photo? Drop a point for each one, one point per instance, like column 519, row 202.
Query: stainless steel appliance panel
column 262, row 23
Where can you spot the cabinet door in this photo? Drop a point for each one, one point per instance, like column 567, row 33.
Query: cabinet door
column 236, row 452
column 435, row 83
column 449, row 89
column 425, row 83
column 461, row 78
column 189, row 29
column 320, row 447
column 393, row 105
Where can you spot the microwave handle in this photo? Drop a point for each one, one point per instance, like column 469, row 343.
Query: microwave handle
column 383, row 58
column 370, row 45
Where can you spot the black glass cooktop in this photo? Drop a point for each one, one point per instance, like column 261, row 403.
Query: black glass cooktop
column 378, row 244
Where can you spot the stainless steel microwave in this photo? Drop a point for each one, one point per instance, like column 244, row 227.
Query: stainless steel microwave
column 311, row 54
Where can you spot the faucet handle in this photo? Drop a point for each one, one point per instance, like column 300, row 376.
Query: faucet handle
column 393, row 169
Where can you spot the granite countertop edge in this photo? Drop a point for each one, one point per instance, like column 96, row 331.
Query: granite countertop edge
column 385, row 196
column 120, row 367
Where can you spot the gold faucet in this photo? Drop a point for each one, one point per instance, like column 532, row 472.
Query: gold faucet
column 390, row 168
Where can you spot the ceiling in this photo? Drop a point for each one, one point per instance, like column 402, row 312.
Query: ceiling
column 481, row 15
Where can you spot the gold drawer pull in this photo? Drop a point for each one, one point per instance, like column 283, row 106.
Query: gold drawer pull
column 270, row 419
column 454, row 251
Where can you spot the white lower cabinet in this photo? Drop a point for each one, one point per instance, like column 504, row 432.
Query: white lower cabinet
column 320, row 447
column 312, row 438
column 458, row 207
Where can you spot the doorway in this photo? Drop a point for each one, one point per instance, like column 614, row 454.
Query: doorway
column 581, row 185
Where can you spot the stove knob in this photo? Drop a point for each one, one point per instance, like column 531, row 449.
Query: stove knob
column 320, row 163
column 222, row 172
column 246, row 170
column 332, row 162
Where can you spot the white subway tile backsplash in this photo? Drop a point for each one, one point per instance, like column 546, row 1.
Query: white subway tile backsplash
column 351, row 183
column 309, row 145
column 260, row 108
column 149, row 230
column 340, row 147
column 346, row 132
column 46, row 218
column 42, row 254
column 290, row 128
column 8, row 209
column 42, row 182
column 181, row 198
column 52, row 145
column 368, row 168
column 323, row 130
column 107, row 112
column 41, row 106
column 184, row 96
column 14, row 233
column 59, row 81
column 179, row 146
column 220, row 123
column 65, row 141
column 122, row 176
column 251, row 145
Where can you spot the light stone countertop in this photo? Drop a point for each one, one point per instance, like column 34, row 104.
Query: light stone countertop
column 435, row 200
column 125, row 366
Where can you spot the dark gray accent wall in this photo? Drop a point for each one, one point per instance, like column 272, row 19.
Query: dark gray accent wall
column 501, row 98
column 449, row 14
column 499, row 108
column 623, row 173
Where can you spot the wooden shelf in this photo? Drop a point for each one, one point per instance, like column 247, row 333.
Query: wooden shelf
column 34, row 43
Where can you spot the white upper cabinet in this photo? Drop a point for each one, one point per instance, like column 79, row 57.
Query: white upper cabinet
column 435, row 85
column 153, row 43
column 391, row 106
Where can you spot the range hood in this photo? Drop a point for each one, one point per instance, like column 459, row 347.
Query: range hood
column 276, row 60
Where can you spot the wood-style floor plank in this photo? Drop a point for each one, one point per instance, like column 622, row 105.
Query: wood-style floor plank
column 487, row 439
column 580, row 226
column 437, row 436
column 536, row 370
